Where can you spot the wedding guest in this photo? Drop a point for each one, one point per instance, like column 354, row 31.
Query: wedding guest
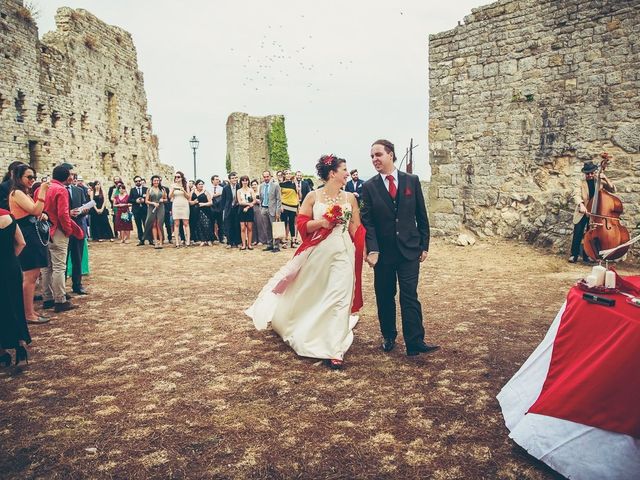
column 271, row 206
column 14, row 332
column 137, row 195
column 5, row 186
column 28, row 213
column 179, row 194
column 280, row 176
column 168, row 222
column 124, row 225
column 204, row 229
column 290, row 201
column 216, row 209
column 110, row 194
column 355, row 184
column 56, row 205
column 303, row 187
column 230, row 211
column 155, row 199
column 77, row 254
column 260, row 235
column 100, row 227
column 246, row 201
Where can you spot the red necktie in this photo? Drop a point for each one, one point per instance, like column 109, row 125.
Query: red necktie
column 392, row 187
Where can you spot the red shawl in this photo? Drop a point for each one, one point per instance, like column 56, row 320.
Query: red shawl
column 313, row 239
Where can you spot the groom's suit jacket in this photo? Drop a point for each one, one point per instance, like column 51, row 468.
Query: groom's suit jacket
column 398, row 229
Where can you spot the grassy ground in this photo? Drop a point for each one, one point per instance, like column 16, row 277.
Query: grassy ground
column 160, row 375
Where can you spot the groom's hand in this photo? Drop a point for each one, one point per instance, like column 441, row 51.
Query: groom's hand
column 423, row 256
column 372, row 259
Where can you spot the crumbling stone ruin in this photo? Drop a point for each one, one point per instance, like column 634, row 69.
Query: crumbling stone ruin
column 249, row 150
column 75, row 96
column 521, row 94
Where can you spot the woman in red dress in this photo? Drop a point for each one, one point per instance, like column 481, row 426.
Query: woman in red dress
column 123, row 222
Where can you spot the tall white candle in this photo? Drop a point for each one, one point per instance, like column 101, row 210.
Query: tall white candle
column 599, row 272
column 591, row 280
column 610, row 279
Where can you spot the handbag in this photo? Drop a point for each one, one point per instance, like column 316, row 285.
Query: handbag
column 125, row 216
column 42, row 228
column 278, row 230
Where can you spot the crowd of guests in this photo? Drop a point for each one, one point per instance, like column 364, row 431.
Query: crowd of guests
column 237, row 211
column 45, row 226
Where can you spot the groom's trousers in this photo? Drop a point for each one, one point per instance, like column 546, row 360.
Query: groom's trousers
column 405, row 273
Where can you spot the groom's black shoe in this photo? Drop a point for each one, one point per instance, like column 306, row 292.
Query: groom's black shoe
column 388, row 344
column 421, row 348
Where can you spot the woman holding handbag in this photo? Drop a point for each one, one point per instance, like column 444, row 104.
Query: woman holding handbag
column 124, row 225
column 35, row 229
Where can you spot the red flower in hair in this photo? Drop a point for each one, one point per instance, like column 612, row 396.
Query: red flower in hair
column 329, row 159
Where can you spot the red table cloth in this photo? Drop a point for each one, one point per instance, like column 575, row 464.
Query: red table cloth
column 594, row 375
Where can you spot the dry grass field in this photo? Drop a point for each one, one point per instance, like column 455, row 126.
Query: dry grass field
column 160, row 375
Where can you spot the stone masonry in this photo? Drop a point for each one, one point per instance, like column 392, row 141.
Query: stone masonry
column 247, row 143
column 75, row 96
column 521, row 94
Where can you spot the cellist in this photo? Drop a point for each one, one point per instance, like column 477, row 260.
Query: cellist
column 585, row 191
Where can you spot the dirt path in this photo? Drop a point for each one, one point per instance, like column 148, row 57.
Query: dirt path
column 160, row 374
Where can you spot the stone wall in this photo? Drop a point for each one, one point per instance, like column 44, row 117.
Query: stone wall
column 247, row 143
column 521, row 93
column 75, row 96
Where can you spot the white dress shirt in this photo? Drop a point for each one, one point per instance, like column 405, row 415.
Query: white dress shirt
column 386, row 181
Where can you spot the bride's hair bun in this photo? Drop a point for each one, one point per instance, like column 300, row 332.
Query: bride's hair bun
column 328, row 163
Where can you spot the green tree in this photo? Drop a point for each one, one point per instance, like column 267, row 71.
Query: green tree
column 277, row 143
column 228, row 163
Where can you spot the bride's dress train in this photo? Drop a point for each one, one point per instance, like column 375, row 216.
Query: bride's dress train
column 313, row 314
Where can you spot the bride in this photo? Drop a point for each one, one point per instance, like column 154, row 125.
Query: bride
column 310, row 302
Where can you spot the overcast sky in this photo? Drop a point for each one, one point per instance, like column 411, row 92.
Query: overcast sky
column 343, row 73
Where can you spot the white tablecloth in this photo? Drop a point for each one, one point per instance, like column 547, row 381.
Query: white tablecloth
column 576, row 451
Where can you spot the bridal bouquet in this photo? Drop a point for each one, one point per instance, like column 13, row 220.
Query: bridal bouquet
column 337, row 216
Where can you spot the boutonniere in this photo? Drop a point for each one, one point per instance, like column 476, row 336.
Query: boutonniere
column 407, row 192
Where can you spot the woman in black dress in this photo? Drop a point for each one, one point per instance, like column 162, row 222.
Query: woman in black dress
column 100, row 227
column 202, row 212
column 28, row 212
column 14, row 333
column 246, row 201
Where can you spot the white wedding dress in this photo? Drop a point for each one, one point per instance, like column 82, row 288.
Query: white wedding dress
column 313, row 315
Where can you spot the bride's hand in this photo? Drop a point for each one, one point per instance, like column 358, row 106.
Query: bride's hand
column 324, row 223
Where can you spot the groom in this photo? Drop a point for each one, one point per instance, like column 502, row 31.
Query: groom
column 395, row 217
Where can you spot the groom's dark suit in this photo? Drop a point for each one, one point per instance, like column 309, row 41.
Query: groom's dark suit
column 399, row 231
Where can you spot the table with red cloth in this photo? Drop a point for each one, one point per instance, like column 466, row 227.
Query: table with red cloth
column 575, row 403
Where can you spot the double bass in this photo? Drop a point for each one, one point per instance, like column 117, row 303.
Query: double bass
column 605, row 230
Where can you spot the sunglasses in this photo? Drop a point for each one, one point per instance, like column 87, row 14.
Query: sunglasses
column 177, row 176
column 30, row 177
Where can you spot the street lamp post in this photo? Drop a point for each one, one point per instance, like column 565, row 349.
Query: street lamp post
column 194, row 145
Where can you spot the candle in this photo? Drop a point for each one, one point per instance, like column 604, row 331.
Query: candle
column 610, row 279
column 599, row 271
column 591, row 280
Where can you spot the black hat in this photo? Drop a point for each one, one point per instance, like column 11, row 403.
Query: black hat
column 589, row 167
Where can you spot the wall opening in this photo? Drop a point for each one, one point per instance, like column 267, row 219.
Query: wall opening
column 40, row 113
column 55, row 118
column 112, row 115
column 35, row 156
column 20, row 107
column 106, row 163
column 84, row 121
